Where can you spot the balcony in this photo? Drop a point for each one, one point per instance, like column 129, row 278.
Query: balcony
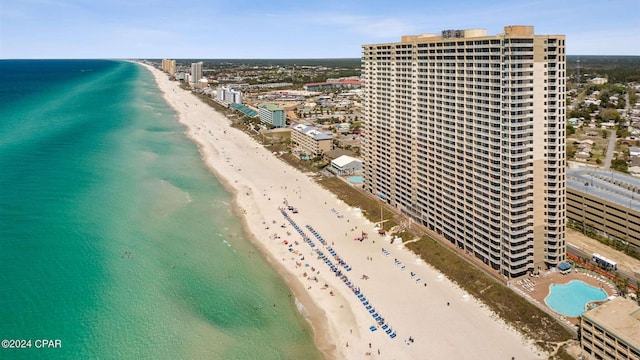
column 524, row 230
column 520, row 217
column 517, row 262
column 525, row 177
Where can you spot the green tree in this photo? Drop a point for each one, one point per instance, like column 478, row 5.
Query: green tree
column 619, row 165
column 610, row 115
column 604, row 98
column 633, row 97
column 570, row 130
column 622, row 133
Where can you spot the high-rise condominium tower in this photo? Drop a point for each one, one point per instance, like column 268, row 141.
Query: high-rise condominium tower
column 196, row 71
column 465, row 134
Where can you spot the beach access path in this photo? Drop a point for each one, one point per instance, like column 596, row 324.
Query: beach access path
column 429, row 316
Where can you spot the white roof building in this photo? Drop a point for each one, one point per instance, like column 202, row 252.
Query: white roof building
column 346, row 165
column 598, row 81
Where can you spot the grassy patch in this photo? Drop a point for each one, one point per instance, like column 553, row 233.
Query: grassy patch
column 302, row 165
column 562, row 354
column 353, row 197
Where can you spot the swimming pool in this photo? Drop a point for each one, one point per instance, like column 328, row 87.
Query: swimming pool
column 355, row 179
column 570, row 299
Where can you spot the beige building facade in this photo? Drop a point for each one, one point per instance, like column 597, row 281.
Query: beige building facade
column 309, row 141
column 169, row 66
column 465, row 134
column 612, row 330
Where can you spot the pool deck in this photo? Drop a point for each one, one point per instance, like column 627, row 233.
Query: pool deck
column 538, row 287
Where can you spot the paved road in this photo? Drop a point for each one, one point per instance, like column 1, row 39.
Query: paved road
column 624, row 273
column 610, row 149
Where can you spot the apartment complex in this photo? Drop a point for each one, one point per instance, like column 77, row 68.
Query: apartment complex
column 229, row 95
column 465, row 134
column 612, row 330
column 309, row 141
column 607, row 202
column 196, row 72
column 271, row 114
column 169, row 66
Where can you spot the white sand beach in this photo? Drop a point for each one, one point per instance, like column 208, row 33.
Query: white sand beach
column 414, row 300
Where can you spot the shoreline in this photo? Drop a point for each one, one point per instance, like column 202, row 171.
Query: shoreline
column 314, row 316
column 437, row 320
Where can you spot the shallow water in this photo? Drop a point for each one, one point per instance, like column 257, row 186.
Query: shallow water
column 114, row 237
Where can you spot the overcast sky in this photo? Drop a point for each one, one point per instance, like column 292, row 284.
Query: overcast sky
column 261, row 29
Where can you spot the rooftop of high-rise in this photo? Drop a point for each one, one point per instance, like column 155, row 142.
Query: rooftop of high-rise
column 509, row 31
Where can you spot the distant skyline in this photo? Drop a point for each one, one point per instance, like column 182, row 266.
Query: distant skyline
column 241, row 29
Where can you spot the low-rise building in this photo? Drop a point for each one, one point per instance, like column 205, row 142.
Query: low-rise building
column 344, row 83
column 574, row 121
column 336, row 153
column 598, row 81
column 203, row 83
column 244, row 109
column 343, row 127
column 346, row 165
column 273, row 115
column 634, row 171
column 309, row 141
column 612, row 330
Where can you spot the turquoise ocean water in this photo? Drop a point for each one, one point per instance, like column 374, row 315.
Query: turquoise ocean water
column 114, row 237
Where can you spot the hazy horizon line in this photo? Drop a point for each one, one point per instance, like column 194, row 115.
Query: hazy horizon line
column 253, row 59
